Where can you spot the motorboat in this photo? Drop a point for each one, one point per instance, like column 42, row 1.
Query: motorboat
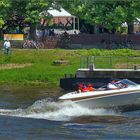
column 126, row 95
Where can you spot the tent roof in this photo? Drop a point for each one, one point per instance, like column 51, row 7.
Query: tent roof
column 59, row 13
column 136, row 23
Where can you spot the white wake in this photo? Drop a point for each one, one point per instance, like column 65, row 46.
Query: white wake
column 59, row 111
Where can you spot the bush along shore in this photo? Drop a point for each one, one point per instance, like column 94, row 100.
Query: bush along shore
column 46, row 67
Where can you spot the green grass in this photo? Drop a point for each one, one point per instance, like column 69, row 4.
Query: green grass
column 44, row 72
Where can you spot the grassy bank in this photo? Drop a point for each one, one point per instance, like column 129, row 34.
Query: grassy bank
column 36, row 67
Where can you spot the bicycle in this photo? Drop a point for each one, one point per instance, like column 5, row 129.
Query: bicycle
column 39, row 45
column 30, row 44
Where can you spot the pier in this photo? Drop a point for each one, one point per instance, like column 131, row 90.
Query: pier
column 100, row 76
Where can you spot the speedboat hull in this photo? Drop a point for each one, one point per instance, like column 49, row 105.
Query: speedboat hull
column 112, row 101
column 121, row 98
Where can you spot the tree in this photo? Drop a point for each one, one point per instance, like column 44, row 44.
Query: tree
column 4, row 7
column 34, row 13
column 108, row 14
column 23, row 12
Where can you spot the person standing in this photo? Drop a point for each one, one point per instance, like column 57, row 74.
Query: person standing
column 7, row 46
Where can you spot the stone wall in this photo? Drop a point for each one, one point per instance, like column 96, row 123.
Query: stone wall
column 105, row 41
column 87, row 41
column 51, row 42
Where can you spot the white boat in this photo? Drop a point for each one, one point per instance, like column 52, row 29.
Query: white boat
column 122, row 97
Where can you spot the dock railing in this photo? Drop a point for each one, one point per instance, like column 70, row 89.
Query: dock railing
column 109, row 62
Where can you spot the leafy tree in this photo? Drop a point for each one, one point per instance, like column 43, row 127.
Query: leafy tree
column 108, row 14
column 34, row 12
column 24, row 12
column 4, row 6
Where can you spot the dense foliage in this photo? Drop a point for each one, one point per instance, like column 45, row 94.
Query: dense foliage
column 4, row 6
column 108, row 14
column 22, row 13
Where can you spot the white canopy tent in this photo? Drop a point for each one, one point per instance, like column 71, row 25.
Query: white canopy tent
column 137, row 22
column 136, row 25
column 59, row 13
column 64, row 18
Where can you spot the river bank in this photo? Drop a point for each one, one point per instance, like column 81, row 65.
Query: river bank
column 39, row 67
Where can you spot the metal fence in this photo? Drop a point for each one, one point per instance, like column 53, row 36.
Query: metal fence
column 110, row 62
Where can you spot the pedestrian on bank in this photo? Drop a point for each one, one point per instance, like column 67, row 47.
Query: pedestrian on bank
column 7, row 46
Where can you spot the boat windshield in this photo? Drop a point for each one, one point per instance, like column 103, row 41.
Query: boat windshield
column 123, row 82
column 128, row 82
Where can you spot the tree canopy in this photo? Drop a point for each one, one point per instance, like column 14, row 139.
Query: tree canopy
column 4, row 6
column 104, row 13
column 22, row 13
column 108, row 14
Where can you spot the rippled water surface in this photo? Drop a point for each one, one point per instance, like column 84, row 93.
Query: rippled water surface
column 35, row 113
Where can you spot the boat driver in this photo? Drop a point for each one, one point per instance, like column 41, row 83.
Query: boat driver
column 111, row 85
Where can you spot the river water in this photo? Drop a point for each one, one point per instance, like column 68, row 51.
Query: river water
column 34, row 113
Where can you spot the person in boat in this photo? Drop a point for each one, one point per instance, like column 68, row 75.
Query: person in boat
column 111, row 85
column 82, row 88
column 85, row 88
column 90, row 87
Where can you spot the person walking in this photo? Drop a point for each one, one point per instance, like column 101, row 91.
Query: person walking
column 7, row 46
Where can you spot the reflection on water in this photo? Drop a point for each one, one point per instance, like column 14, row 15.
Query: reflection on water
column 24, row 96
column 34, row 113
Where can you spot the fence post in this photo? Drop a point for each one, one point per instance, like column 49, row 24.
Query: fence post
column 87, row 62
column 110, row 61
column 80, row 62
column 127, row 62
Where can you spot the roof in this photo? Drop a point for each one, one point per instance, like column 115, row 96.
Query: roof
column 59, row 13
column 136, row 23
